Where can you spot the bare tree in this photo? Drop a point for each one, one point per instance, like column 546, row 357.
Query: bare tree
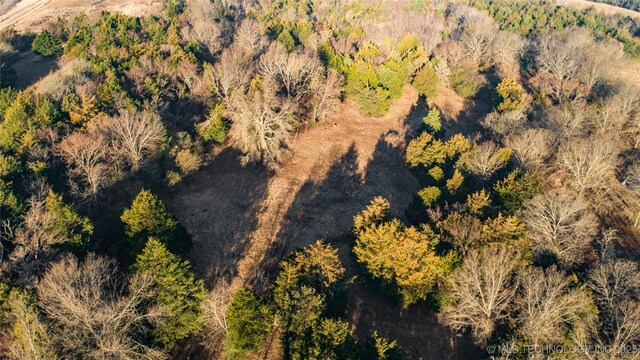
column 262, row 127
column 477, row 33
column 561, row 224
column 482, row 290
column 250, row 38
column 549, row 309
column 230, row 75
column 569, row 120
column 531, row 148
column 589, row 162
column 93, row 313
column 202, row 26
column 294, row 72
column 616, row 287
column 327, row 98
column 86, row 155
column 463, row 231
column 134, row 136
column 561, row 55
column 505, row 50
column 507, row 123
column 485, row 159
column 600, row 60
column 30, row 337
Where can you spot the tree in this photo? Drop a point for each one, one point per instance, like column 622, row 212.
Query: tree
column 177, row 292
column 148, row 217
column 432, row 121
column 560, row 224
column 550, row 310
column 374, row 214
column 430, row 195
column 616, row 286
column 262, row 125
column 561, row 55
column 230, row 76
column 570, row 120
column 86, row 155
column 486, row 158
column 463, row 231
column 30, row 337
column 214, row 128
column 531, row 148
column 402, row 257
column 516, row 189
column 46, row 44
column 249, row 322
column 512, row 94
column 426, row 81
column 306, row 284
column 134, row 136
column 589, row 163
column 481, row 290
column 94, row 313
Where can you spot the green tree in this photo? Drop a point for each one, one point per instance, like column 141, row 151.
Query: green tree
column 376, row 212
column 432, row 121
column 403, row 258
column 516, row 188
column 287, row 40
column 426, row 81
column 392, row 75
column 148, row 217
column 512, row 94
column 177, row 291
column 429, row 195
column 46, row 44
column 248, row 321
column 214, row 128
column 67, row 223
column 307, row 283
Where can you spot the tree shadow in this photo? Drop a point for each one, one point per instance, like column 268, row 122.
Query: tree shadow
column 324, row 210
column 218, row 205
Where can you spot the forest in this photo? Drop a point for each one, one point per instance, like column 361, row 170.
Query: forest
column 303, row 179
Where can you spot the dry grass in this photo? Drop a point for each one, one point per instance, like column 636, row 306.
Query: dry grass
column 35, row 14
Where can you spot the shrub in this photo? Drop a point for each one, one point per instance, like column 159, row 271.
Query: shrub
column 46, row 44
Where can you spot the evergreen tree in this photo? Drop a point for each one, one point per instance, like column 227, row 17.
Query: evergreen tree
column 249, row 321
column 426, row 81
column 432, row 121
column 67, row 223
column 148, row 217
column 46, row 44
column 177, row 289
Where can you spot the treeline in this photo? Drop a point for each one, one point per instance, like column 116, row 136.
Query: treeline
column 627, row 4
column 527, row 17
